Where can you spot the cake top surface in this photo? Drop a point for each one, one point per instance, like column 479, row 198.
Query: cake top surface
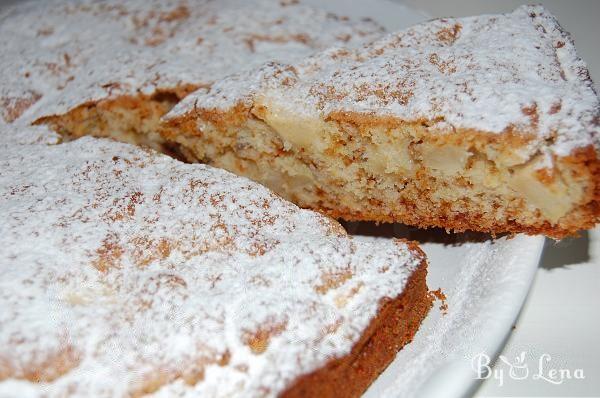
column 62, row 53
column 123, row 271
column 515, row 72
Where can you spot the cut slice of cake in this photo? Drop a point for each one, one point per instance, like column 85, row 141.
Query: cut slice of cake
column 113, row 68
column 486, row 123
column 124, row 273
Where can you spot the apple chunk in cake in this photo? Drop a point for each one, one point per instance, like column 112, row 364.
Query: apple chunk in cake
column 485, row 123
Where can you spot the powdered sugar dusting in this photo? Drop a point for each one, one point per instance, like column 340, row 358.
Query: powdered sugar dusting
column 498, row 73
column 59, row 54
column 123, row 272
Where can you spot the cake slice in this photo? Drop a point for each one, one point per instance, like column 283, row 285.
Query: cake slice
column 112, row 69
column 125, row 273
column 486, row 123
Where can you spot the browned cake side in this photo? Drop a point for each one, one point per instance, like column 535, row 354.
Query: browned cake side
column 395, row 326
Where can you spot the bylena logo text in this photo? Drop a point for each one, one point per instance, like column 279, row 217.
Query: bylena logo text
column 542, row 369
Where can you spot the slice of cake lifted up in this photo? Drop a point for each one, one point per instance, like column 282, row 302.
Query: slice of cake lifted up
column 113, row 68
column 486, row 123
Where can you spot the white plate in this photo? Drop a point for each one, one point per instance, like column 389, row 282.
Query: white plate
column 485, row 282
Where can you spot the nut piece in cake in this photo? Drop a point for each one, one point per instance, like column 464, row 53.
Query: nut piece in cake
column 486, row 123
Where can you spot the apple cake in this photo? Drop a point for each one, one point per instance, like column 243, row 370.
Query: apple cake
column 486, row 123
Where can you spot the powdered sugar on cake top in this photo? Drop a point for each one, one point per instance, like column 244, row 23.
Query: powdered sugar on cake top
column 59, row 54
column 123, row 271
column 497, row 73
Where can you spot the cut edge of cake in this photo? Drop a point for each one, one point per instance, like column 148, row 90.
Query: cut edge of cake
column 367, row 159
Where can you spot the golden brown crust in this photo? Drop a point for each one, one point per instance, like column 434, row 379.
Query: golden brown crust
column 187, row 122
column 462, row 223
column 126, row 102
column 394, row 326
column 133, row 119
